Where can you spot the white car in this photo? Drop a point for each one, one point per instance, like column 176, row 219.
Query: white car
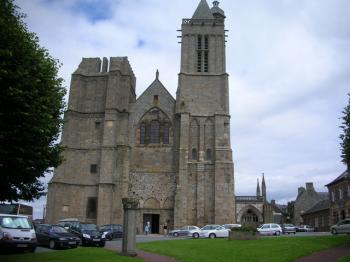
column 270, row 229
column 342, row 226
column 213, row 231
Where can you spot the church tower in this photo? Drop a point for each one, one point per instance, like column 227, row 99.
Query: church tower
column 205, row 182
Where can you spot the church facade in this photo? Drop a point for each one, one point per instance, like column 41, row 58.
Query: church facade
column 173, row 155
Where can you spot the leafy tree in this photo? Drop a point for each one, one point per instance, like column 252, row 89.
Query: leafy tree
column 290, row 211
column 345, row 136
column 31, row 107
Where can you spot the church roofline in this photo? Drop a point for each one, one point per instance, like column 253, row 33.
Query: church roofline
column 155, row 81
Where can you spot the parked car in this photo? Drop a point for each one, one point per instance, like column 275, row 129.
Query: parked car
column 342, row 226
column 88, row 234
column 16, row 233
column 192, row 231
column 229, row 226
column 289, row 229
column 305, row 228
column 55, row 236
column 112, row 231
column 213, row 231
column 68, row 222
column 270, row 229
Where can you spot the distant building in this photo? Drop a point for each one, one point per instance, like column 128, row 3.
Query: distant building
column 318, row 216
column 307, row 198
column 255, row 210
column 339, row 195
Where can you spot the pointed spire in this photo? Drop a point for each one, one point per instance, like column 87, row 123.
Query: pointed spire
column 258, row 189
column 203, row 11
column 263, row 187
column 157, row 74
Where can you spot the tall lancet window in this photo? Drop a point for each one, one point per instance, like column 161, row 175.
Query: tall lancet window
column 202, row 53
column 155, row 132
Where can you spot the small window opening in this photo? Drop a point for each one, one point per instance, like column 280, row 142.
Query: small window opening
column 93, row 168
column 209, row 154
column 97, row 124
column 194, row 154
column 91, row 208
column 155, row 99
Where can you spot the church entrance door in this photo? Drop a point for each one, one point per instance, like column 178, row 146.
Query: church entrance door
column 154, row 220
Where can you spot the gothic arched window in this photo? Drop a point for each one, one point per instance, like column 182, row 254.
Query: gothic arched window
column 154, row 132
column 194, row 154
column 166, row 133
column 142, row 133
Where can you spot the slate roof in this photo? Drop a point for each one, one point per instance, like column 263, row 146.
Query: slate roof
column 203, row 11
column 343, row 176
column 319, row 206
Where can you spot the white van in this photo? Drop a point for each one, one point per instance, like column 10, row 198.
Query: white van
column 16, row 233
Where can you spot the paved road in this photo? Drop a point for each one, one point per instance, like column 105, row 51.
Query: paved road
column 117, row 243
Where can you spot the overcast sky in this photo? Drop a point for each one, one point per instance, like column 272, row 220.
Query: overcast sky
column 288, row 61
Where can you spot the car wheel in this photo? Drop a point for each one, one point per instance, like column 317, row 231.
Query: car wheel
column 109, row 237
column 195, row 235
column 212, row 235
column 277, row 233
column 52, row 244
column 176, row 234
column 334, row 231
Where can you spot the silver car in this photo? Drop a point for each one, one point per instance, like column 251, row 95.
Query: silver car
column 342, row 226
column 270, row 229
column 191, row 231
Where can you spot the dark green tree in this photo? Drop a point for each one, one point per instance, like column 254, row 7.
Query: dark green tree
column 345, row 136
column 31, row 108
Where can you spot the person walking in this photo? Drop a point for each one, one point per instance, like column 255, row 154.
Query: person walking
column 148, row 228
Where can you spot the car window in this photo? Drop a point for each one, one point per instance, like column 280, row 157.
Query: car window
column 265, row 226
column 183, row 228
column 274, row 226
column 206, row 228
column 58, row 229
column 192, row 228
column 15, row 222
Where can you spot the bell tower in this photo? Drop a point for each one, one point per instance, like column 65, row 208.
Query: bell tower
column 205, row 184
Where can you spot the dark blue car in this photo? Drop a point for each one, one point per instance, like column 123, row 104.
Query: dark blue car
column 55, row 236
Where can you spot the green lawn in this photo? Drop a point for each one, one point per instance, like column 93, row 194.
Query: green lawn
column 264, row 249
column 90, row 254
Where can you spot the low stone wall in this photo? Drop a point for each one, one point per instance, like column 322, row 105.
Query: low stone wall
column 242, row 235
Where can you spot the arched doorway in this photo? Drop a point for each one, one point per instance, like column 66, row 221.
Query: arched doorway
column 249, row 217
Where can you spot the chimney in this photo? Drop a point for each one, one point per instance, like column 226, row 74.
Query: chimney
column 310, row 186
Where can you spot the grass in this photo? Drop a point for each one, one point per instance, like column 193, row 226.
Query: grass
column 344, row 259
column 90, row 254
column 263, row 249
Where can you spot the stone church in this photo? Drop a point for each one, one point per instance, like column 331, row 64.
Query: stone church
column 173, row 155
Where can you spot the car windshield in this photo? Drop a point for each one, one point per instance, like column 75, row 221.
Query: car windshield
column 105, row 228
column 15, row 222
column 58, row 229
column 183, row 228
column 88, row 227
